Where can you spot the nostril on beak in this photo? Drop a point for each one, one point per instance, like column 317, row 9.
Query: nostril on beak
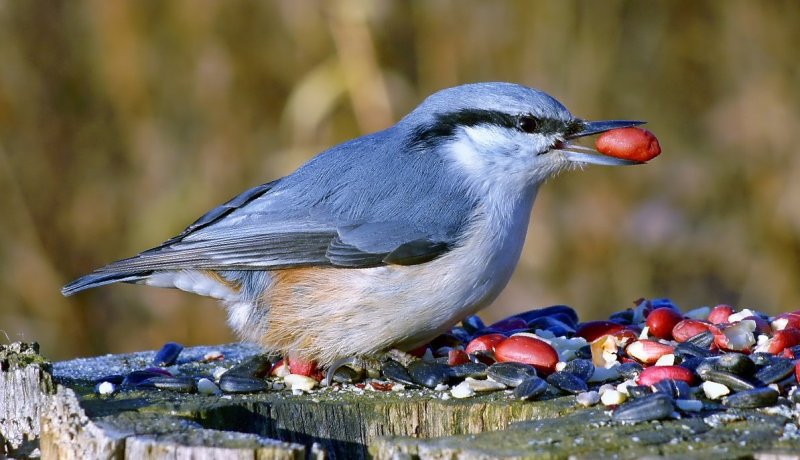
column 558, row 145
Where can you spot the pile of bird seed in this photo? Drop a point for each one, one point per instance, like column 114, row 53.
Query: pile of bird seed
column 645, row 363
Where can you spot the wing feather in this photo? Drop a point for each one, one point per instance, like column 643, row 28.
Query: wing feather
column 325, row 214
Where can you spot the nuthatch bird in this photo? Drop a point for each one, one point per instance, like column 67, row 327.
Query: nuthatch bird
column 382, row 242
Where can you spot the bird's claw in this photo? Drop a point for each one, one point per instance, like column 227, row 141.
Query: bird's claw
column 371, row 365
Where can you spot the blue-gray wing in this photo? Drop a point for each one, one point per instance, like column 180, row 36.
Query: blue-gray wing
column 372, row 201
column 297, row 242
column 258, row 231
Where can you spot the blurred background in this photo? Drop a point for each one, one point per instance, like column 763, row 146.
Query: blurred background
column 123, row 121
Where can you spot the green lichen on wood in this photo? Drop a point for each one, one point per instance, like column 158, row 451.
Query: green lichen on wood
column 18, row 355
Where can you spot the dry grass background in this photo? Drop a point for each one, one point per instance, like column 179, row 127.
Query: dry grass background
column 122, row 121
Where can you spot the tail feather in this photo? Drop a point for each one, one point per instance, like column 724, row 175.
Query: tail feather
column 96, row 279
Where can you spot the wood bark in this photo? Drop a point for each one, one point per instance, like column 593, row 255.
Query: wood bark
column 25, row 387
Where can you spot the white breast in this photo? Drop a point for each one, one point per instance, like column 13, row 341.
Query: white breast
column 435, row 295
column 483, row 264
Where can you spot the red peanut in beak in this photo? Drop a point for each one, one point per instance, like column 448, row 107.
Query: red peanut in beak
column 629, row 143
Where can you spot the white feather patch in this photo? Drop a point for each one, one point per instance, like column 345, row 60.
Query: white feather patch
column 194, row 282
column 238, row 315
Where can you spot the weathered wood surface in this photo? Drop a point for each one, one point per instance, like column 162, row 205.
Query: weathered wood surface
column 25, row 387
column 77, row 423
column 589, row 435
column 68, row 433
column 40, row 418
column 345, row 423
column 342, row 422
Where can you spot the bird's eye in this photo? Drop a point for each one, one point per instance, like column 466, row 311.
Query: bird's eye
column 527, row 124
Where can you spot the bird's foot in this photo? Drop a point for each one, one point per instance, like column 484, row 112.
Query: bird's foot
column 360, row 364
column 400, row 356
column 346, row 370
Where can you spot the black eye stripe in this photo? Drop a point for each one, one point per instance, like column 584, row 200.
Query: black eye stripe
column 446, row 124
column 475, row 117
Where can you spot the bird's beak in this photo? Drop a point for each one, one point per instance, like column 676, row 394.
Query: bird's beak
column 596, row 127
column 580, row 154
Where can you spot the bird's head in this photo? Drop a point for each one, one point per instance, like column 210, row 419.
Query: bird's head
column 505, row 133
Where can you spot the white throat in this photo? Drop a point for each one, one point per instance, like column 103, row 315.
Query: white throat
column 501, row 167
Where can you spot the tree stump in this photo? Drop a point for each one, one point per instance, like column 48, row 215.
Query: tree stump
column 56, row 409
